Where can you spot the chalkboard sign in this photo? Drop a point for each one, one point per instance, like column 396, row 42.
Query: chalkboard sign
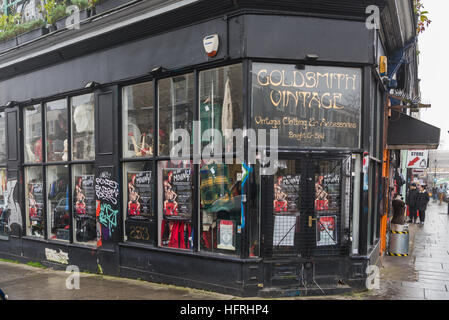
column 313, row 106
column 139, row 195
column 177, row 196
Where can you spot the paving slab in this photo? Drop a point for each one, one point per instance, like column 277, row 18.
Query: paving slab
column 421, row 285
column 436, row 295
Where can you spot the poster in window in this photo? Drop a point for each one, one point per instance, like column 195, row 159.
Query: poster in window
column 286, row 194
column 139, row 194
column 226, row 235
column 177, row 197
column 326, row 231
column 84, row 195
column 327, row 192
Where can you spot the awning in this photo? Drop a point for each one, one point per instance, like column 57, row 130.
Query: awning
column 405, row 132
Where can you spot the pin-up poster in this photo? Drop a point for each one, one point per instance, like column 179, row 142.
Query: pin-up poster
column 286, row 194
column 84, row 195
column 140, row 194
column 177, row 195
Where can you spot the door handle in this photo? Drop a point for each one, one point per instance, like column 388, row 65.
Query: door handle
column 311, row 221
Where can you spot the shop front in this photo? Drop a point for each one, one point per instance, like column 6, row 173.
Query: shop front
column 271, row 197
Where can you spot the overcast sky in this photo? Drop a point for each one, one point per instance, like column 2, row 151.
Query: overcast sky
column 434, row 68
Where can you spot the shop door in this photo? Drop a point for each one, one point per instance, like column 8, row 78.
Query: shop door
column 302, row 208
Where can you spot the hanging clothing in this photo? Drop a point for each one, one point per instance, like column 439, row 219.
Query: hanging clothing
column 227, row 116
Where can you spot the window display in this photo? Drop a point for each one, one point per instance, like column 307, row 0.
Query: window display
column 138, row 201
column 32, row 124
column 221, row 103
column 175, row 193
column 84, row 219
column 58, row 211
column 34, row 200
column 57, row 131
column 83, row 128
column 176, row 104
column 221, row 205
column 138, row 120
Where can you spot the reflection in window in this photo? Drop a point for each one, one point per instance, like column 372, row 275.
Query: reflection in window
column 138, row 201
column 34, row 202
column 32, row 119
column 138, row 120
column 220, row 199
column 84, row 218
column 4, row 214
column 58, row 202
column 83, row 127
column 221, row 102
column 175, row 193
column 57, row 131
column 176, row 105
column 2, row 138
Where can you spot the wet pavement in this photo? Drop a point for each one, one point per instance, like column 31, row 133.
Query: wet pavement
column 423, row 275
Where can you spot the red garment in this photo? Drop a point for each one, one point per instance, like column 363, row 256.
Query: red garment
column 133, row 209
column 171, row 209
column 80, row 208
column 280, row 206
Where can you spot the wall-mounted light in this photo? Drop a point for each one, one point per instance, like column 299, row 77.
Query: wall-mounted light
column 312, row 57
column 10, row 104
column 92, row 85
column 157, row 71
column 300, row 67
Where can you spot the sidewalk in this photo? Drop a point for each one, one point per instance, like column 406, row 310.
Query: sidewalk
column 424, row 274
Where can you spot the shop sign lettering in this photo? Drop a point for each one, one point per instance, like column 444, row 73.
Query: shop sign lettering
column 314, row 107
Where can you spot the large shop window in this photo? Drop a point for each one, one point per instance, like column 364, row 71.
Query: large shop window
column 310, row 106
column 34, row 189
column 58, row 205
column 221, row 205
column 32, row 124
column 175, row 204
column 83, row 127
column 221, row 105
column 57, row 191
column 176, row 105
column 138, row 120
column 56, row 131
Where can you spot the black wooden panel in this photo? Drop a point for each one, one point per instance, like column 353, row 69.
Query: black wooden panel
column 106, row 119
column 11, row 138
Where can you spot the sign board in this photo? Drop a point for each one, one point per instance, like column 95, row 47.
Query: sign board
column 309, row 106
column 417, row 159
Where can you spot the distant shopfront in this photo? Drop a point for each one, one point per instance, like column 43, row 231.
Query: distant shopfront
column 88, row 172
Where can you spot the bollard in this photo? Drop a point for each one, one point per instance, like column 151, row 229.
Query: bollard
column 399, row 243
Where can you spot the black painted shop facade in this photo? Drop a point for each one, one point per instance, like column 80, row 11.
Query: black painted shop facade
column 87, row 181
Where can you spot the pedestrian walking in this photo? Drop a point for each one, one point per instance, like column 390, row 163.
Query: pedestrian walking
column 398, row 210
column 411, row 202
column 440, row 193
column 422, row 201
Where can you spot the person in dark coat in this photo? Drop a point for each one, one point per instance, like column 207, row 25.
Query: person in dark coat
column 422, row 201
column 3, row 296
column 412, row 204
column 398, row 210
